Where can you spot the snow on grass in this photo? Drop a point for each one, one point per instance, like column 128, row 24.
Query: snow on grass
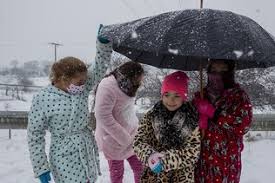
column 258, row 160
column 15, row 165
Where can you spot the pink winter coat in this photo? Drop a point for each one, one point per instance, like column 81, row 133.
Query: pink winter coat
column 116, row 120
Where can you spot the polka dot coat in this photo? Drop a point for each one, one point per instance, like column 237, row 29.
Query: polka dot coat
column 73, row 155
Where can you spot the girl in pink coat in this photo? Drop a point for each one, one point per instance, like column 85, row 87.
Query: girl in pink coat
column 116, row 119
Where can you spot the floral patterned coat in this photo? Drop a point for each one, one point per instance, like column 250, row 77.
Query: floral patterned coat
column 220, row 159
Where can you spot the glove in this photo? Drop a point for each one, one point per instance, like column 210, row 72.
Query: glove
column 157, row 168
column 205, row 108
column 45, row 177
column 155, row 163
column 100, row 38
column 203, row 121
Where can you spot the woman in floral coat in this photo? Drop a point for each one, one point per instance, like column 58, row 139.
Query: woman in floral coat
column 62, row 108
column 220, row 159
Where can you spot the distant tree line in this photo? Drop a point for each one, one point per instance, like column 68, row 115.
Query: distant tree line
column 23, row 72
column 259, row 83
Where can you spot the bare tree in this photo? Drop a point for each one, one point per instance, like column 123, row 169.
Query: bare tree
column 23, row 79
column 46, row 66
column 14, row 64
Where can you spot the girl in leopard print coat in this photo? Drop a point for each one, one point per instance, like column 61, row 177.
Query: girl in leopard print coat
column 168, row 138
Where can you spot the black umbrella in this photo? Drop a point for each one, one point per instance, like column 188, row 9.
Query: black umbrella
column 185, row 39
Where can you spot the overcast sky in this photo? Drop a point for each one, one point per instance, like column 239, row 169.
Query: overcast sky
column 27, row 26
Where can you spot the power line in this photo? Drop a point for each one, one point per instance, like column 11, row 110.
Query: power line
column 148, row 5
column 130, row 7
column 162, row 8
column 180, row 4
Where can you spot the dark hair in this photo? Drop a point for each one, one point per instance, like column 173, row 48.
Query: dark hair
column 228, row 76
column 131, row 70
column 66, row 68
column 230, row 64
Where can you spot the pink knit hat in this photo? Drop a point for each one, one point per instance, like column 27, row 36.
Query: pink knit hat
column 177, row 82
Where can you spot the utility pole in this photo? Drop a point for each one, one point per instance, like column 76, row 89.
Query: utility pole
column 55, row 49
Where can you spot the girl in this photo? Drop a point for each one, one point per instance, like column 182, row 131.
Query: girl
column 220, row 159
column 116, row 119
column 168, row 138
column 62, row 108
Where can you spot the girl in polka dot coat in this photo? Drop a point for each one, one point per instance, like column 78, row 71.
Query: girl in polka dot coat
column 62, row 108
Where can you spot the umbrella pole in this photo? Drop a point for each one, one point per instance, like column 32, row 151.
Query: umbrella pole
column 201, row 93
column 201, row 68
column 201, row 4
column 201, row 80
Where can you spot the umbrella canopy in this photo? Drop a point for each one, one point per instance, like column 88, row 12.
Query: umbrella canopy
column 185, row 39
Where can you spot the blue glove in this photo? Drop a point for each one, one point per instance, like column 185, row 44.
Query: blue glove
column 157, row 168
column 45, row 177
column 100, row 38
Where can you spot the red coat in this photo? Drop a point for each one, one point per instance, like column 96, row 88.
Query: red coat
column 220, row 159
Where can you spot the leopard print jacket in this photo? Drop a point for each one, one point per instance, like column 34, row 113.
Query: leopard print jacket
column 178, row 163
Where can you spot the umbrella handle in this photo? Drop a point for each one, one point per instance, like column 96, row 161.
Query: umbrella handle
column 201, row 80
column 201, row 93
column 202, row 133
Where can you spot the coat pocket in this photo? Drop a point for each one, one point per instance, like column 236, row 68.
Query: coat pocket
column 110, row 145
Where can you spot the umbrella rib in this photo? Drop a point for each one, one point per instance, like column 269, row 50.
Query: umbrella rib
column 162, row 60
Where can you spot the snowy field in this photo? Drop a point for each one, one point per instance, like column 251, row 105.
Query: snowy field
column 258, row 156
column 258, row 160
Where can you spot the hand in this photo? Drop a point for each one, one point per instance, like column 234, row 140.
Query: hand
column 101, row 39
column 45, row 177
column 203, row 121
column 155, row 163
column 205, row 108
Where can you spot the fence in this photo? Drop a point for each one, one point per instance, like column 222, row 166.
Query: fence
column 19, row 120
column 15, row 91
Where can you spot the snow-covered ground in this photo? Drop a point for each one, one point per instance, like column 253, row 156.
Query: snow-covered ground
column 8, row 103
column 15, row 166
column 258, row 160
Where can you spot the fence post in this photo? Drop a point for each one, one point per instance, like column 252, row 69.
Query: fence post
column 10, row 133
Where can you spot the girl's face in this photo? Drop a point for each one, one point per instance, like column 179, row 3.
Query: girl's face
column 78, row 79
column 218, row 67
column 139, row 80
column 172, row 100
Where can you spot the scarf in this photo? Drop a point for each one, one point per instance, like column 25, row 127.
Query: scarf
column 173, row 127
column 125, row 84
